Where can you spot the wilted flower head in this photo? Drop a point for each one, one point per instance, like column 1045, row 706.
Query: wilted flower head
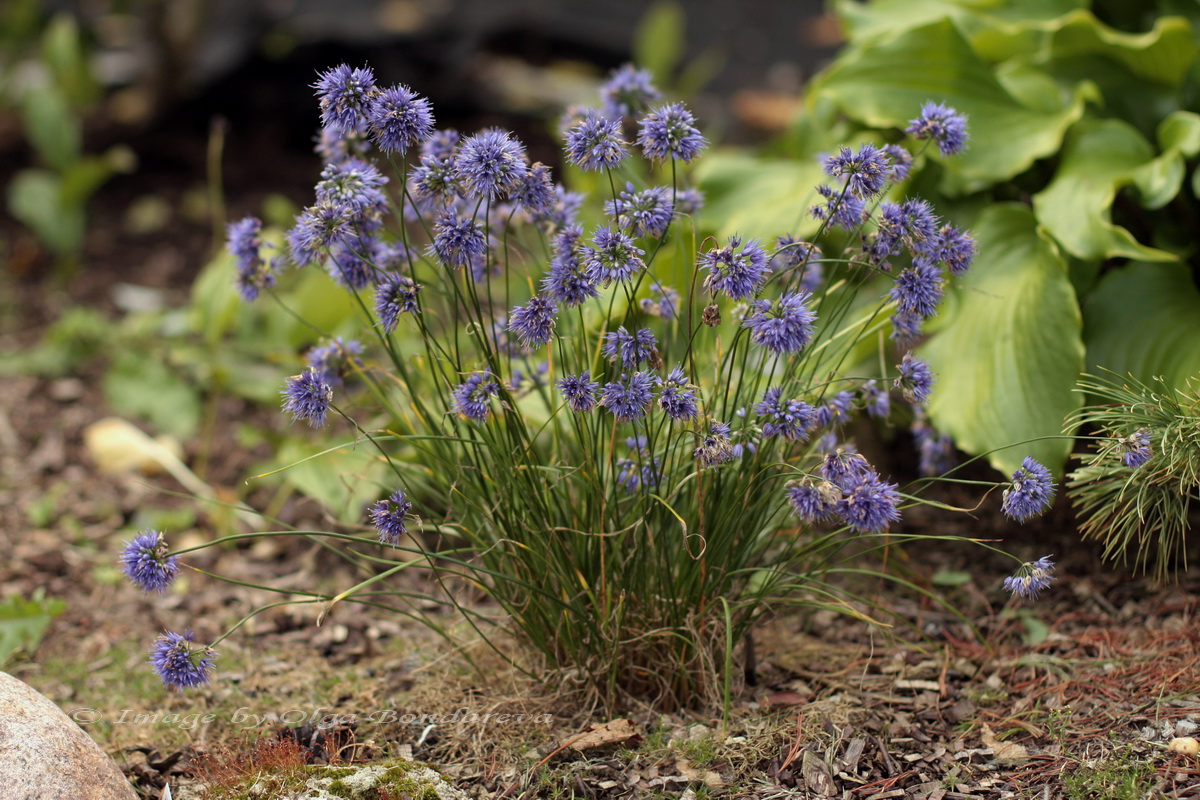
column 916, row 379
column 146, row 563
column 628, row 92
column 1031, row 578
column 1135, row 448
column 491, row 164
column 942, row 124
column 736, row 270
column 1030, row 493
column 345, row 95
column 308, row 396
column 390, row 517
column 399, row 119
column 670, row 133
column 866, row 171
column 595, row 143
column 716, row 447
column 179, row 663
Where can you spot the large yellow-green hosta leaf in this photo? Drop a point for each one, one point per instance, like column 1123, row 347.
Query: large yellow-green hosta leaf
column 760, row 198
column 1007, row 350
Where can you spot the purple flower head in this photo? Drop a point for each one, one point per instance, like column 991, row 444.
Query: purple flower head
column 1030, row 493
column 738, row 271
column 441, row 144
column 664, row 303
column 901, row 162
column 670, row 132
column 457, row 242
column 534, row 321
column 1031, row 578
column 785, row 327
column 472, row 399
column 335, row 360
column 918, row 290
column 916, row 379
column 316, row 230
column 334, row 147
column 877, row 401
column 537, row 195
column 628, row 397
column 491, row 164
column 563, row 212
column 913, row 223
column 395, row 295
column 846, row 469
column 813, row 502
column 435, row 178
column 628, row 92
column 630, row 349
column 579, row 391
column 612, row 256
column 716, row 447
column 390, row 517
column 839, row 408
column 308, row 397
column 345, row 96
column 179, row 663
column 906, row 328
column 677, row 397
column 1135, row 448
column 935, row 450
column 352, row 261
column 793, row 253
column 791, row 419
column 595, row 143
column 646, row 213
column 146, row 563
column 399, row 119
column 942, row 124
column 866, row 171
column 245, row 243
column 631, row 475
column 842, row 211
column 956, row 248
column 870, row 505
column 566, row 281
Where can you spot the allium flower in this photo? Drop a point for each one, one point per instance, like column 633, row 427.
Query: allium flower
column 646, row 213
column 537, row 195
column 1136, row 450
column 612, row 256
column 245, row 243
column 785, row 327
column 877, row 401
column 812, row 501
column 628, row 397
column 567, row 282
column 870, row 505
column 472, row 398
column 179, row 663
column 457, row 242
column 901, row 162
column 579, row 391
column 395, row 295
column 843, row 211
column 399, row 119
column 791, row 419
column 316, row 230
column 308, row 397
column 670, row 133
column 563, row 212
column 441, row 144
column 866, row 171
column 677, row 397
column 345, row 96
column 736, row 270
column 491, row 164
column 389, row 516
column 1031, row 578
column 534, row 321
column 628, row 92
column 335, row 360
column 146, row 563
column 665, row 302
column 435, row 178
column 956, row 248
column 631, row 349
column 942, row 124
column 846, row 469
column 1030, row 493
column 906, row 328
column 334, row 147
column 935, row 450
column 916, row 379
column 716, row 447
column 354, row 186
column 918, row 290
column 595, row 143
column 837, row 411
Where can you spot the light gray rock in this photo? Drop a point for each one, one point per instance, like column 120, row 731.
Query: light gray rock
column 44, row 755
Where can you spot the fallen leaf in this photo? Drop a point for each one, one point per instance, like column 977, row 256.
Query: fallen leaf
column 1004, row 752
column 618, row 731
column 707, row 776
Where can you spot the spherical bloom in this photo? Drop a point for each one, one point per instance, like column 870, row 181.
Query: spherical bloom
column 783, row 327
column 356, row 187
column 866, row 171
column 664, row 303
column 911, row 223
column 916, row 379
column 1136, row 450
column 677, row 397
column 491, row 164
column 352, row 261
column 534, row 321
column 435, row 178
column 670, row 132
column 918, row 290
column 1030, row 493
column 628, row 92
column 956, row 248
column 736, row 270
column 846, row 469
column 812, row 501
column 579, row 391
column 389, row 516
column 689, row 202
column 631, row 349
column 595, row 143
column 612, row 256
column 308, row 397
column 146, row 563
column 441, row 144
column 400, row 118
column 537, row 195
column 563, row 212
column 1031, row 578
column 877, row 401
column 335, row 360
column 179, row 663
column 901, row 162
column 844, row 211
column 942, row 124
column 345, row 96
column 316, row 230
column 646, row 213
column 457, row 242
column 395, row 295
column 472, row 399
column 906, row 328
column 566, row 281
column 791, row 419
column 628, row 397
column 870, row 505
column 245, row 243
column 716, row 447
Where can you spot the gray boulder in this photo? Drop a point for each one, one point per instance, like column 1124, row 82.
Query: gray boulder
column 44, row 755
